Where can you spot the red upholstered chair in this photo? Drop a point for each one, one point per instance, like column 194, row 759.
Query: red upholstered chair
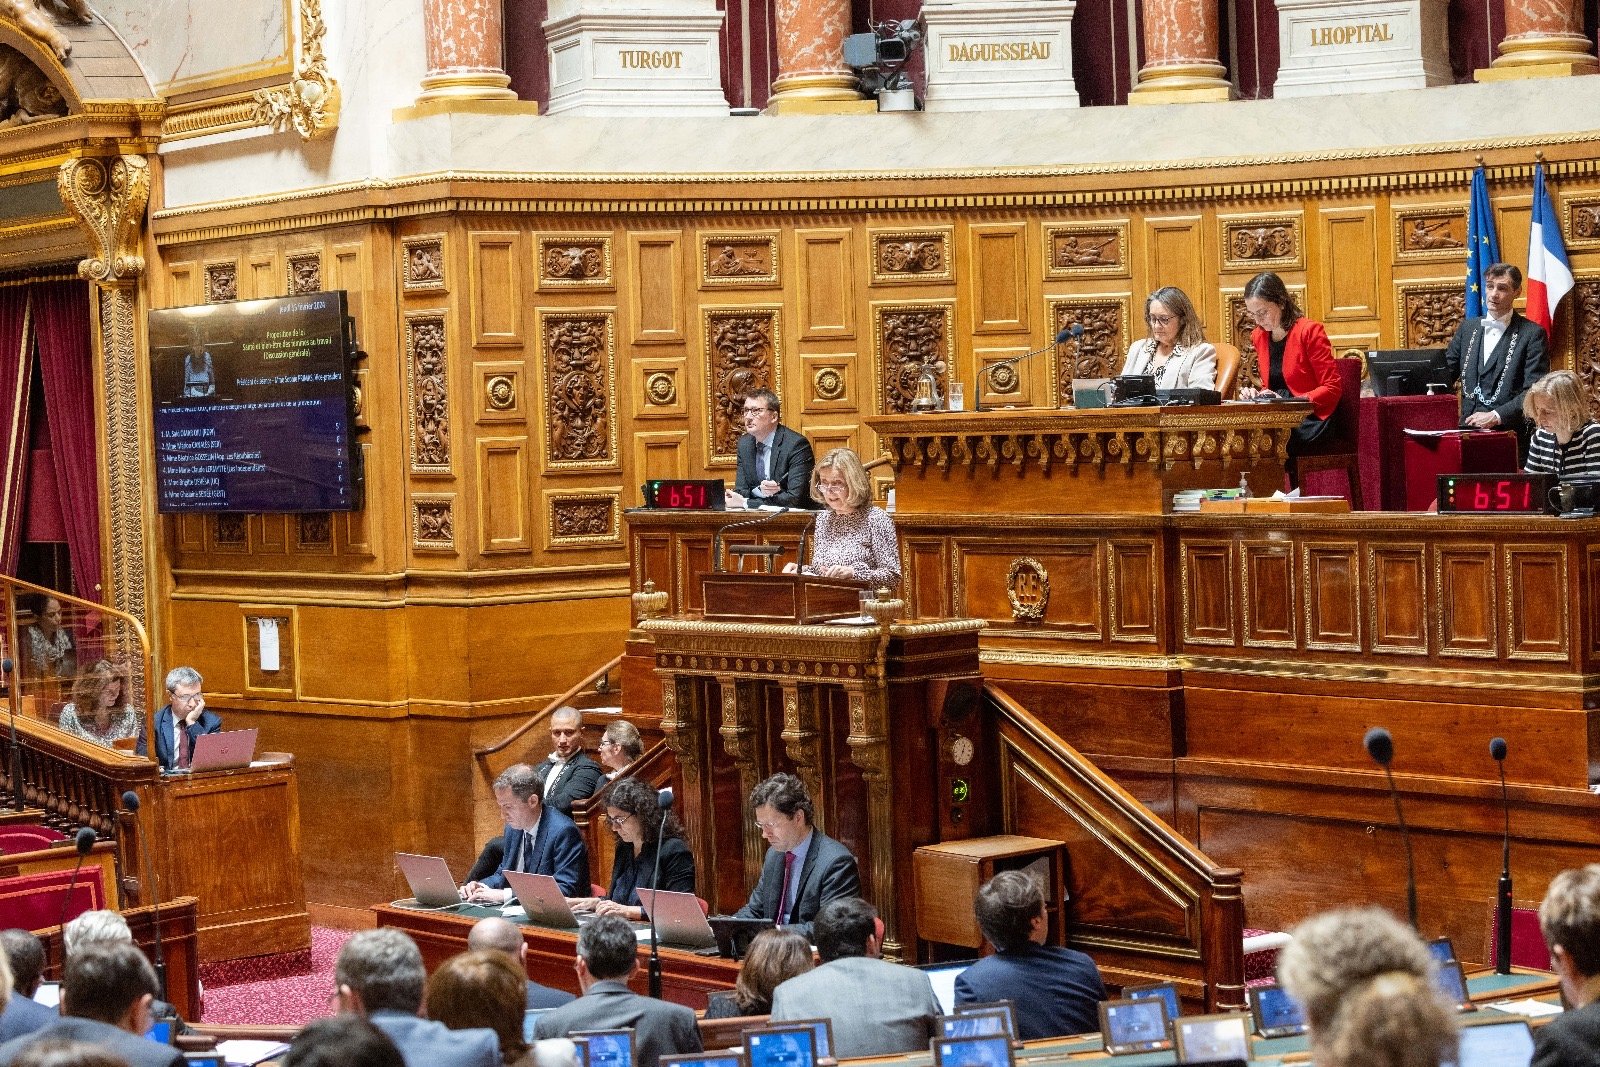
column 1339, row 448
column 28, row 837
column 1527, row 940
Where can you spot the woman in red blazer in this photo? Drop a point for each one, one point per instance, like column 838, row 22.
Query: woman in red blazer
column 1294, row 356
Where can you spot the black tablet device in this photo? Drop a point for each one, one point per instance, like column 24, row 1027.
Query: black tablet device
column 1134, row 1026
column 1275, row 1012
column 1212, row 1038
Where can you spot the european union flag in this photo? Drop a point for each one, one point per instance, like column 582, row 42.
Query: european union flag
column 1483, row 247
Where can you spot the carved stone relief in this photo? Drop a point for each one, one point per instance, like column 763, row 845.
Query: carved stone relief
column 1256, row 242
column 741, row 355
column 1586, row 340
column 433, row 524
column 739, row 259
column 910, row 341
column 1084, row 248
column 39, row 18
column 1429, row 314
column 429, row 390
column 305, row 273
column 26, row 93
column 1430, row 233
column 575, row 261
column 222, row 282
column 578, row 389
column 423, row 266
column 583, row 520
column 1098, row 352
column 911, row 255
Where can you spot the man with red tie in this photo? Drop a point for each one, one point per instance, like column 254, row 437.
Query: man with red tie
column 182, row 720
column 804, row 868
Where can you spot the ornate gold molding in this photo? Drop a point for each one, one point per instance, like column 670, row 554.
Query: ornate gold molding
column 309, row 104
column 108, row 198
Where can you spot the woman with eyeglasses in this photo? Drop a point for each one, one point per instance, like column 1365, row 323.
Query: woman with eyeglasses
column 1176, row 351
column 620, row 745
column 855, row 538
column 1293, row 355
column 633, row 810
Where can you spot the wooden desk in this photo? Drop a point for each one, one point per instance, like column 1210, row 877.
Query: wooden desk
column 686, row 978
column 179, row 948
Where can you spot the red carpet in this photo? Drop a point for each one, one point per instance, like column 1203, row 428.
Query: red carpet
column 289, row 989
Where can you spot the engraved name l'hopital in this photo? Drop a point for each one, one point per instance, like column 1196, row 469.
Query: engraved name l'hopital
column 644, row 59
column 999, row 52
column 1352, row 33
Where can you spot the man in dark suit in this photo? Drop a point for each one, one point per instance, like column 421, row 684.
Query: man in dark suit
column 379, row 974
column 1055, row 990
column 498, row 935
column 1569, row 918
column 1496, row 358
column 538, row 840
column 804, row 868
column 181, row 720
column 569, row 773
column 106, row 993
column 774, row 461
column 23, row 1015
column 608, row 954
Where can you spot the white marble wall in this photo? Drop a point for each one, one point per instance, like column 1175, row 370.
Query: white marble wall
column 185, row 44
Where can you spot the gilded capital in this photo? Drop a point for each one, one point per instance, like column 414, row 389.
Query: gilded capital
column 107, row 195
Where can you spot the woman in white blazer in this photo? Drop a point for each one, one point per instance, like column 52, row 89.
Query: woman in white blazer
column 1176, row 351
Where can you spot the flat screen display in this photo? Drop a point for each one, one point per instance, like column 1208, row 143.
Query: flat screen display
column 991, row 1051
column 254, row 406
column 1498, row 1044
column 1209, row 1038
column 780, row 1047
column 609, row 1048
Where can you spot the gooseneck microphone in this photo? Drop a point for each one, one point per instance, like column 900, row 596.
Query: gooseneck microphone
column 1380, row 746
column 800, row 553
column 130, row 803
column 664, row 801
column 7, row 665
column 1068, row 333
column 1502, row 903
column 84, row 842
column 716, row 541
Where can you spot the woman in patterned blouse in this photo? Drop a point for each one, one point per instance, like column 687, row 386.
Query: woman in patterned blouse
column 100, row 711
column 855, row 539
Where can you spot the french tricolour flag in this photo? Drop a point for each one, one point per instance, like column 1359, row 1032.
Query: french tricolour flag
column 1549, row 273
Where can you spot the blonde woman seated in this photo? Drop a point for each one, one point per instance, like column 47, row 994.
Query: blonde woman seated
column 1176, row 351
column 855, row 539
column 1567, row 441
column 100, row 711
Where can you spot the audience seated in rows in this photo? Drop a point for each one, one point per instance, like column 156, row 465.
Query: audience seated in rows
column 501, row 935
column 1365, row 983
column 1055, row 990
column 65, row 1052
column 608, row 954
column 774, row 957
column 878, row 1008
column 105, row 927
column 24, row 954
column 482, row 990
column 1570, row 920
column 107, row 991
column 379, row 975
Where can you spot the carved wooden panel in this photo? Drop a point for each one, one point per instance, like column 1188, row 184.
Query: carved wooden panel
column 1585, row 302
column 1205, row 574
column 1058, row 588
column 656, row 312
column 192, row 532
column 900, row 257
column 574, row 261
column 1437, row 232
column 825, row 278
column 1331, row 579
column 1537, row 574
column 1583, row 221
column 1134, row 570
column 304, row 274
column 660, row 454
column 1096, row 354
column 314, row 531
column 261, row 279
column 742, row 353
column 1261, row 242
column 1349, row 254
column 1268, row 595
column 496, row 288
column 433, row 524
column 927, row 581
column 659, row 390
column 1174, row 252
column 1397, row 581
column 1464, row 578
column 499, row 396
column 742, row 260
column 1429, row 312
column 997, row 280
column 909, row 339
column 231, row 533
column 272, row 532
column 826, row 379
column 503, row 495
column 428, row 389
column 222, row 282
column 578, row 352
column 584, row 520
column 422, row 268
column 1077, row 249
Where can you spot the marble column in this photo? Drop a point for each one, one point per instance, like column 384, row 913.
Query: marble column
column 812, row 78
column 465, row 50
column 1180, row 47
column 1544, row 39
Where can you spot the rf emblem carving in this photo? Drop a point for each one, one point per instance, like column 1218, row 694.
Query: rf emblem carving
column 1028, row 589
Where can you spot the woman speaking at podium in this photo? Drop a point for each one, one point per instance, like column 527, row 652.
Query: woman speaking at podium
column 855, row 539
column 1176, row 351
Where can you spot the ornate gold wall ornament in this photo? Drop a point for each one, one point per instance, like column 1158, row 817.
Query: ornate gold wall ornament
column 423, row 263
column 828, row 383
column 433, row 523
column 911, row 256
column 661, row 388
column 315, row 530
column 575, row 261
column 742, row 353
column 305, row 273
column 428, row 386
column 1028, row 589
column 309, row 104
column 910, row 339
column 583, row 520
column 222, row 282
column 230, row 530
column 580, row 388
column 1098, row 353
column 1430, row 233
column 1077, row 249
column 743, row 260
column 1256, row 242
column 108, row 196
column 38, row 19
column 1429, row 312
column 500, row 392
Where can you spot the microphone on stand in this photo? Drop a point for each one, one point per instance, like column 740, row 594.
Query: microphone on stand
column 1502, row 903
column 716, row 540
column 130, row 803
column 664, row 800
column 1068, row 333
column 7, row 665
column 1380, row 746
column 84, row 842
column 800, row 555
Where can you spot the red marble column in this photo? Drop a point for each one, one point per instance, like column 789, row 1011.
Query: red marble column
column 1180, row 47
column 465, row 51
column 1544, row 39
column 812, row 77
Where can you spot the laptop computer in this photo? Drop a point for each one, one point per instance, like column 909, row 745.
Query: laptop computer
column 993, row 1050
column 543, row 900
column 679, row 918
column 1451, row 982
column 1275, row 1011
column 432, row 884
column 1134, row 1026
column 225, row 751
column 1441, row 949
column 943, row 978
column 1091, row 392
column 722, row 1058
column 821, row 1036
column 1495, row 1043
column 1212, row 1038
column 982, row 1018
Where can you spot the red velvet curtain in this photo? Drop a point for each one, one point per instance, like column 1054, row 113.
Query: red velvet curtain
column 66, row 369
column 16, row 363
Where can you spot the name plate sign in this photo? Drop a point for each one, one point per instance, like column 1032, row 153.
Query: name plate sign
column 984, row 55
column 1340, row 46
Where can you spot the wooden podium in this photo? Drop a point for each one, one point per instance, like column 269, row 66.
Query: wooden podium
column 797, row 598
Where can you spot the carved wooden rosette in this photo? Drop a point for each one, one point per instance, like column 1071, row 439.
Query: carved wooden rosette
column 422, row 266
column 428, row 387
column 742, row 354
column 901, row 257
column 575, row 261
column 107, row 196
column 305, row 273
column 1077, row 249
column 1259, row 242
column 1430, row 233
column 1430, row 312
column 739, row 260
column 1098, row 353
column 580, row 384
column 1586, row 340
column 1583, row 221
column 909, row 339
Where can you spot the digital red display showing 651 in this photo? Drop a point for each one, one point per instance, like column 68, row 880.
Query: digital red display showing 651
column 685, row 494
column 1499, row 494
